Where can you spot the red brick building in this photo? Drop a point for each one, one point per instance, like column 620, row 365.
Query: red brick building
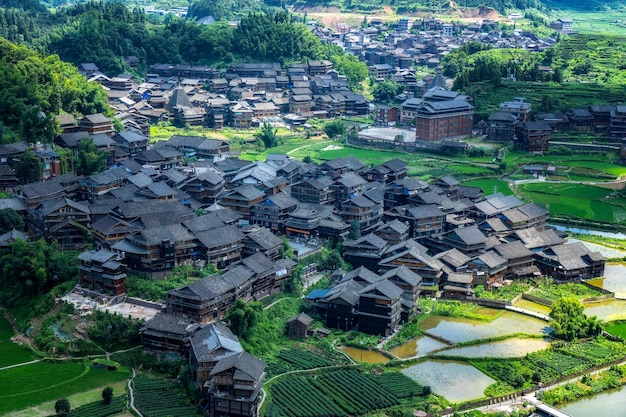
column 444, row 120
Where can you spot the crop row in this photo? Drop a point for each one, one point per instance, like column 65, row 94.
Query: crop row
column 99, row 409
column 296, row 397
column 302, row 359
column 160, row 398
column 336, row 393
column 353, row 392
column 398, row 384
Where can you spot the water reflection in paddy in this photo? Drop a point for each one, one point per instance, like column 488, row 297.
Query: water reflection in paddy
column 418, row 347
column 456, row 381
column 509, row 348
column 607, row 310
column 614, row 279
column 532, row 306
column 364, row 355
column 609, row 403
column 463, row 330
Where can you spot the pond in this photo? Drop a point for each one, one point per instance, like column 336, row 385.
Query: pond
column 364, row 355
column 532, row 306
column 614, row 279
column 609, row 403
column 456, row 381
column 589, row 232
column 464, row 330
column 419, row 346
column 604, row 250
column 509, row 348
column 59, row 333
column 607, row 310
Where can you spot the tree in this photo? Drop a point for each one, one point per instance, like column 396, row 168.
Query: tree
column 355, row 230
column 9, row 220
column 387, row 90
column 267, row 135
column 569, row 322
column 62, row 406
column 107, row 395
column 243, row 316
column 334, row 128
column 90, row 160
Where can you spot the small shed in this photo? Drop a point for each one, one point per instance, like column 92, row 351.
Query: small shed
column 298, row 326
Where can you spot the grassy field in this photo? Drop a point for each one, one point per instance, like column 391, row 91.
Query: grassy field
column 577, row 200
column 76, row 400
column 11, row 353
column 490, row 185
column 617, row 329
column 28, row 385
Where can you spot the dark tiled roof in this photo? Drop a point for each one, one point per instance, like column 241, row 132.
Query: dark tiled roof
column 221, row 236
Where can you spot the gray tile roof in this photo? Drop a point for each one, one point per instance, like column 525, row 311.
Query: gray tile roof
column 264, row 238
column 247, row 367
column 384, row 287
column 214, row 342
column 162, row 322
column 221, row 236
column 470, row 235
column 258, row 263
column 404, row 274
column 513, row 250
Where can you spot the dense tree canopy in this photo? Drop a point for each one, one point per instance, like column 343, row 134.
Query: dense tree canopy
column 387, row 90
column 9, row 220
column 33, row 268
column 243, row 316
column 90, row 160
column 569, row 321
column 33, row 89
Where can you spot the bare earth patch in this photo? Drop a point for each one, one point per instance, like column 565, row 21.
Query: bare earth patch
column 332, row 148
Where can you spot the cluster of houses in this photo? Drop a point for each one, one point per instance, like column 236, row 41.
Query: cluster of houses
column 242, row 97
column 512, row 123
column 229, row 378
column 151, row 213
column 392, row 54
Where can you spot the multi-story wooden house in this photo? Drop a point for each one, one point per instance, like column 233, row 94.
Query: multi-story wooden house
column 314, row 190
column 273, row 211
column 262, row 240
column 200, row 147
column 241, row 199
column 157, row 249
column 534, row 136
column 365, row 210
column 102, row 271
column 380, row 308
column 96, row 123
column 409, row 282
column 205, row 187
column 221, row 246
column 570, row 261
column 365, row 251
column 132, row 142
column 208, row 300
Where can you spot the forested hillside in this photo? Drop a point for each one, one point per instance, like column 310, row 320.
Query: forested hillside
column 34, row 88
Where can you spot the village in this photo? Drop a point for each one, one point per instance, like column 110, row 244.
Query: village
column 189, row 201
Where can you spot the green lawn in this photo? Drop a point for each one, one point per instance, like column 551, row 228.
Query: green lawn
column 11, row 353
column 617, row 328
column 27, row 385
column 577, row 200
column 490, row 185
